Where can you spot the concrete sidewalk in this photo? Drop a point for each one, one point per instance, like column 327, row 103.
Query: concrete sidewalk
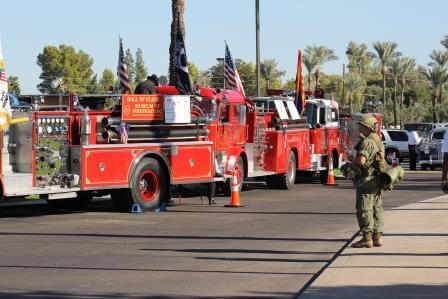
column 413, row 262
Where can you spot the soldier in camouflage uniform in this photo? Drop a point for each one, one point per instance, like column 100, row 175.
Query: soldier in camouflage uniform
column 370, row 160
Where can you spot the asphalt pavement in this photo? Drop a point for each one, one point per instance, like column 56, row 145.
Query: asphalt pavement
column 275, row 247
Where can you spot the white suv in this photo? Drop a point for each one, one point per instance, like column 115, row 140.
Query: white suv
column 395, row 142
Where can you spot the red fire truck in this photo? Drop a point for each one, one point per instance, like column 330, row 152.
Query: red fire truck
column 147, row 143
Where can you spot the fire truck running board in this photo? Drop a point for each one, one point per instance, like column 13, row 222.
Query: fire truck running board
column 260, row 173
column 52, row 192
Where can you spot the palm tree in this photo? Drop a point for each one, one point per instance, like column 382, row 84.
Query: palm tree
column 269, row 71
column 395, row 69
column 444, row 41
column 440, row 58
column 359, row 58
column 310, row 64
column 177, row 24
column 408, row 64
column 437, row 77
column 386, row 51
column 353, row 83
column 320, row 55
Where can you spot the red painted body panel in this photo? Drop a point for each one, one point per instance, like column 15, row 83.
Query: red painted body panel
column 280, row 144
column 111, row 165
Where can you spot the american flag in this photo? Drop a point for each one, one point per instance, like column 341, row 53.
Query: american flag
column 122, row 71
column 231, row 75
column 123, row 133
column 3, row 76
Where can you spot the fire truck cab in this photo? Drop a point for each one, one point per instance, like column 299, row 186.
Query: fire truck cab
column 323, row 117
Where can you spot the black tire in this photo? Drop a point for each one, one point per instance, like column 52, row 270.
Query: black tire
column 122, row 199
column 287, row 179
column 149, row 184
column 424, row 167
column 432, row 167
column 239, row 166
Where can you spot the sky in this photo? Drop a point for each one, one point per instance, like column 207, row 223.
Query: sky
column 286, row 25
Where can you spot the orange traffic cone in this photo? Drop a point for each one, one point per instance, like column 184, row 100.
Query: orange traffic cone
column 234, row 193
column 330, row 176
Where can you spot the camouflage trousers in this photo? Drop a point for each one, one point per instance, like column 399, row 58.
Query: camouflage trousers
column 369, row 211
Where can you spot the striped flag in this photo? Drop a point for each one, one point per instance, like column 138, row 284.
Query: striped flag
column 231, row 75
column 300, row 87
column 122, row 71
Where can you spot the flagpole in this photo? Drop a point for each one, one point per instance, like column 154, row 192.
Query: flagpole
column 257, row 46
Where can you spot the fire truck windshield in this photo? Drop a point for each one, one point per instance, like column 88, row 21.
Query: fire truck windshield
column 208, row 107
column 311, row 114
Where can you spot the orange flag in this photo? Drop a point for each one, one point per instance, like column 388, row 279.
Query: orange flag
column 300, row 88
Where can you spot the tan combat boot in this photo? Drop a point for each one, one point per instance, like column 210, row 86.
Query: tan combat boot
column 365, row 242
column 377, row 241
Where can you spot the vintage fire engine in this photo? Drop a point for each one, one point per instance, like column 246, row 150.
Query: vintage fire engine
column 147, row 143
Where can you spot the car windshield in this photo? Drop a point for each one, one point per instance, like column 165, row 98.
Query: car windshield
column 398, row 135
column 438, row 135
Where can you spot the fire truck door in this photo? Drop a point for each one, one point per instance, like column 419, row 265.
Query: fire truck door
column 323, row 131
column 226, row 132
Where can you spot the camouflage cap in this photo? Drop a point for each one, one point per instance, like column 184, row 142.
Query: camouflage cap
column 369, row 122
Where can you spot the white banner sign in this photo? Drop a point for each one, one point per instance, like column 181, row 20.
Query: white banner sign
column 177, row 109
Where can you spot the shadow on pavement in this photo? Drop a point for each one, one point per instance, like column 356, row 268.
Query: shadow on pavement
column 256, row 251
column 66, row 295
column 151, row 270
column 387, row 291
column 183, row 237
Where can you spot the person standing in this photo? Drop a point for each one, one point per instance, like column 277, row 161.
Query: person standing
column 370, row 161
column 413, row 141
column 148, row 86
column 445, row 161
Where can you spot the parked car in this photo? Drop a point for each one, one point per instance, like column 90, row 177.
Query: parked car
column 395, row 143
column 422, row 128
column 430, row 154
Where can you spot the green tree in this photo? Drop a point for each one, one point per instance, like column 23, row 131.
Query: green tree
column 194, row 72
column 248, row 76
column 386, row 51
column 216, row 75
column 74, row 67
column 444, row 41
column 177, row 25
column 140, row 70
column 437, row 78
column 359, row 58
column 395, row 68
column 13, row 84
column 93, row 85
column 310, row 63
column 440, row 58
column 321, row 55
column 270, row 73
column 354, row 84
column 130, row 64
column 107, row 80
column 407, row 65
